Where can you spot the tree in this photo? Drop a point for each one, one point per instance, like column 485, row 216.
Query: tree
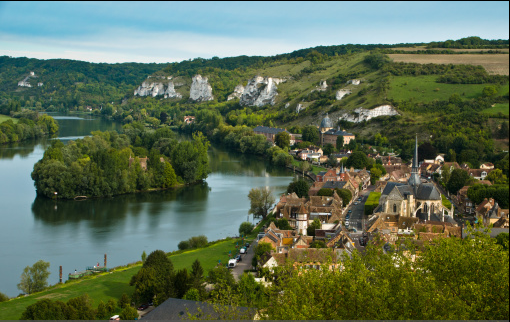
column 496, row 176
column 261, row 249
column 325, row 192
column 339, row 142
column 282, row 139
column 245, row 228
column 358, row 160
column 144, row 256
column 375, row 174
column 388, row 285
column 34, row 279
column 46, row 309
column 192, row 294
column 345, row 194
column 124, row 301
column 316, row 224
column 304, row 167
column 182, row 282
column 283, row 224
column 457, row 180
column 300, row 187
column 261, row 200
column 81, row 308
column 426, row 151
column 3, row 297
column 328, row 149
column 154, row 279
column 489, row 91
column 129, row 313
column 310, row 133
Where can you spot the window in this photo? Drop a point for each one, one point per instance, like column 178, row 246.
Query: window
column 395, row 208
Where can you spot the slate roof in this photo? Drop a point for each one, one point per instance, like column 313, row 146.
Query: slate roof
column 427, row 191
column 337, row 132
column 271, row 130
column 334, row 184
column 389, row 186
column 177, row 309
column 326, row 122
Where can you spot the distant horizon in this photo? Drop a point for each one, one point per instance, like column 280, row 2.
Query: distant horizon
column 192, row 58
column 167, row 32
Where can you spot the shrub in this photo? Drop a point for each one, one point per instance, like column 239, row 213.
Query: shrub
column 183, row 245
column 198, row 241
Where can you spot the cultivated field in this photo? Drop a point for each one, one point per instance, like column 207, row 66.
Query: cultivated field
column 494, row 63
column 421, row 48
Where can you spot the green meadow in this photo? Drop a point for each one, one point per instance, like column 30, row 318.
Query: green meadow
column 105, row 286
column 425, row 89
column 4, row 118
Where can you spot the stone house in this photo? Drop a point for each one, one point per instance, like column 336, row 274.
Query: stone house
column 479, row 174
column 271, row 132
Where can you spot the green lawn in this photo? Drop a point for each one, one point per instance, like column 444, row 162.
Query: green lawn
column 112, row 285
column 446, row 202
column 497, row 108
column 425, row 89
column 4, row 118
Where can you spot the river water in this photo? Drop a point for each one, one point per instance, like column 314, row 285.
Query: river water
column 77, row 234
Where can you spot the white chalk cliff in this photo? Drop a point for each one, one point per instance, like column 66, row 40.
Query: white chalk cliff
column 238, row 92
column 365, row 115
column 200, row 90
column 157, row 88
column 260, row 91
column 341, row 93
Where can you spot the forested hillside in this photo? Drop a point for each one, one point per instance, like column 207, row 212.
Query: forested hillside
column 460, row 108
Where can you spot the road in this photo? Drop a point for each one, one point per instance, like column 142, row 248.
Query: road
column 357, row 215
column 245, row 263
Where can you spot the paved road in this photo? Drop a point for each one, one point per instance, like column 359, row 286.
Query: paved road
column 245, row 263
column 357, row 214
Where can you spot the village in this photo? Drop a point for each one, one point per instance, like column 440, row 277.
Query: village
column 409, row 204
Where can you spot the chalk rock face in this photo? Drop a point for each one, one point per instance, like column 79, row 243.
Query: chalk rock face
column 170, row 91
column 200, row 90
column 238, row 92
column 341, row 93
column 299, row 107
column 157, row 88
column 354, row 81
column 260, row 91
column 365, row 115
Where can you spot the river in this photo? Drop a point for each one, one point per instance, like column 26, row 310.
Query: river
column 77, row 234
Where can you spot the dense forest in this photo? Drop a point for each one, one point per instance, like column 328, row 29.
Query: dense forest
column 108, row 163
column 31, row 125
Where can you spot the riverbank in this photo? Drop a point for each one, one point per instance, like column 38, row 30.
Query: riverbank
column 105, row 286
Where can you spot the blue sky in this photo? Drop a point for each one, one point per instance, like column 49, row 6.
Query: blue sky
column 174, row 31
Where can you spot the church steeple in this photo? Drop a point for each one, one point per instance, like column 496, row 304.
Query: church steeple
column 414, row 180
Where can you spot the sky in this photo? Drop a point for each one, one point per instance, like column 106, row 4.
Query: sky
column 161, row 32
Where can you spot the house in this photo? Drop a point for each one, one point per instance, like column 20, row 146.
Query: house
column 487, row 166
column 479, row 174
column 271, row 132
column 143, row 162
column 177, row 309
column 189, row 119
column 310, row 258
column 390, row 160
column 448, row 165
column 328, row 135
column 464, row 204
column 484, row 207
column 337, row 174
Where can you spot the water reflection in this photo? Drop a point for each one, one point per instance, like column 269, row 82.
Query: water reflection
column 104, row 212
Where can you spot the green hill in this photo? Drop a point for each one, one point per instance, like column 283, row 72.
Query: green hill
column 435, row 98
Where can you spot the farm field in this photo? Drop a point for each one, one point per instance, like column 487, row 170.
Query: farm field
column 422, row 48
column 425, row 89
column 494, row 63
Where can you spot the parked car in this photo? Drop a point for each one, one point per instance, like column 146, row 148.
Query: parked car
column 115, row 318
column 247, row 245
column 349, row 211
column 347, row 223
column 347, row 216
column 355, row 203
column 242, row 251
column 232, row 263
column 238, row 258
column 142, row 307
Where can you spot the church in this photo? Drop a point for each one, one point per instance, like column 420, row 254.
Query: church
column 414, row 199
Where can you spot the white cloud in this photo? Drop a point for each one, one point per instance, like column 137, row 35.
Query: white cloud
column 121, row 45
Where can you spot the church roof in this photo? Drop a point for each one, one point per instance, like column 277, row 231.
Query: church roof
column 326, row 122
column 389, row 186
column 427, row 191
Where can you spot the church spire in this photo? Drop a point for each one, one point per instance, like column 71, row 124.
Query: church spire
column 414, row 180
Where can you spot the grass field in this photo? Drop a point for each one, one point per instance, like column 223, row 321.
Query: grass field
column 4, row 118
column 494, row 64
column 112, row 285
column 497, row 108
column 421, row 48
column 425, row 89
